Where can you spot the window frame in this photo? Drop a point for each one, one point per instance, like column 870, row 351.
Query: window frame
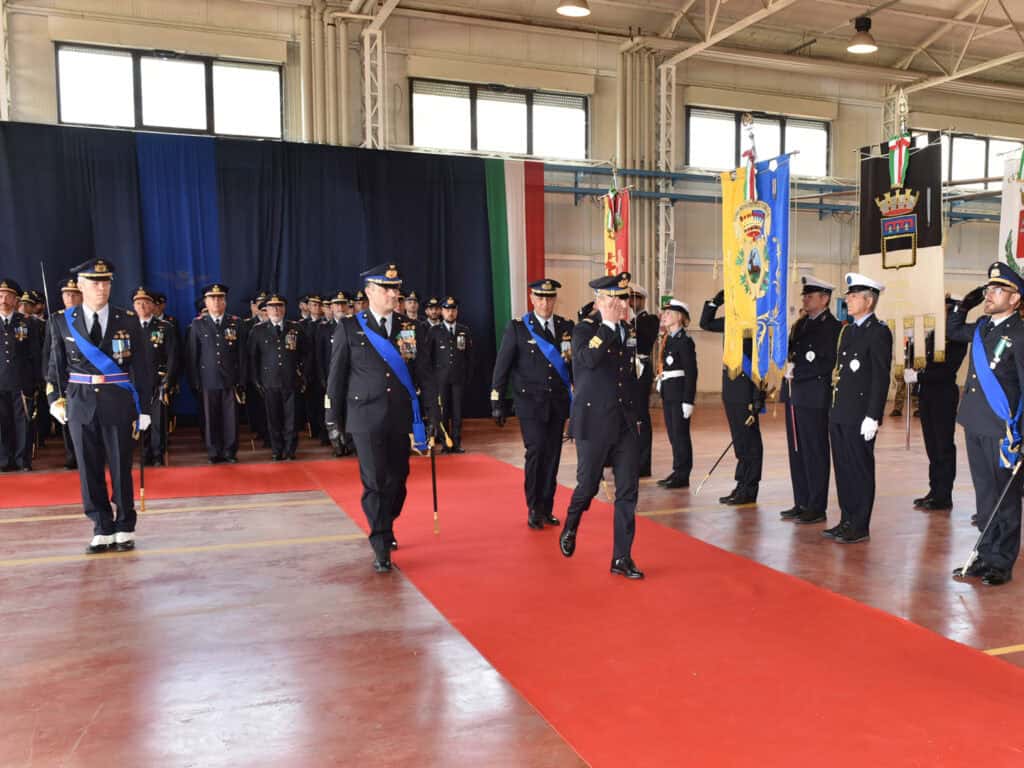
column 948, row 170
column 137, row 55
column 475, row 88
column 738, row 134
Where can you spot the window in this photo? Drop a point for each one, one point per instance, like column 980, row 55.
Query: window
column 156, row 91
column 975, row 157
column 716, row 140
column 460, row 117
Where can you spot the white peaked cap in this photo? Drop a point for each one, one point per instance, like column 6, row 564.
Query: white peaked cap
column 855, row 280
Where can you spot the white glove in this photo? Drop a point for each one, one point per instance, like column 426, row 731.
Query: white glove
column 788, row 373
column 868, row 428
column 687, row 410
column 144, row 422
column 58, row 411
column 910, row 376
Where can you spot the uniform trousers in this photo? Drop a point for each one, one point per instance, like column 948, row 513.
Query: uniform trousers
column 1001, row 544
column 747, row 446
column 938, row 427
column 15, row 430
column 256, row 413
column 622, row 452
column 450, row 411
column 280, row 416
column 809, row 468
column 643, row 405
column 155, row 440
column 853, row 459
column 314, row 398
column 543, row 441
column 678, row 429
column 220, row 420
column 98, row 446
column 383, row 469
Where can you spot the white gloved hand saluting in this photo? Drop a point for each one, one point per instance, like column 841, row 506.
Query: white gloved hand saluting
column 788, row 373
column 868, row 428
column 144, row 422
column 910, row 376
column 687, row 410
column 59, row 411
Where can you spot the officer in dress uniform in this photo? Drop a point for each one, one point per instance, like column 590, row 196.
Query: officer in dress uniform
column 604, row 420
column 31, row 306
column 646, row 326
column 377, row 385
column 412, row 306
column 432, row 309
column 312, row 394
column 20, row 373
column 255, row 408
column 990, row 416
column 938, row 396
column 279, row 355
column 340, row 304
column 70, row 296
column 446, row 363
column 806, row 395
column 677, row 384
column 536, row 355
column 860, row 387
column 743, row 402
column 163, row 361
column 216, row 366
column 359, row 301
column 99, row 362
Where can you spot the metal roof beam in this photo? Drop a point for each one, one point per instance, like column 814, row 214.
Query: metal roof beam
column 907, row 60
column 931, row 82
column 729, row 31
column 382, row 15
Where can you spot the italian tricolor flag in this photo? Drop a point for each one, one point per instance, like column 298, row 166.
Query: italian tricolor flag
column 515, row 214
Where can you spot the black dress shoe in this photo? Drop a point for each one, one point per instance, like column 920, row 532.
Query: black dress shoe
column 215, row 460
column 936, row 505
column 791, row 513
column 275, row 457
column 666, row 480
column 741, row 498
column 382, row 566
column 807, row 517
column 231, row 459
column 978, row 568
column 850, row 536
column 535, row 523
column 567, row 542
column 458, row 449
column 24, row 469
column 552, row 520
column 625, row 566
column 729, row 499
column 680, row 483
column 831, row 533
column 994, row 577
column 919, row 501
column 159, row 461
column 394, row 543
column 70, row 465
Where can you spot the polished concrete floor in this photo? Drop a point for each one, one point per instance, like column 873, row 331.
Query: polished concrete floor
column 213, row 648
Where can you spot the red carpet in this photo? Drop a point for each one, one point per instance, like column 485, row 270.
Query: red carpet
column 713, row 660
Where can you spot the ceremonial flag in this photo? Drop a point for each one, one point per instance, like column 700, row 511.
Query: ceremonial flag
column 743, row 260
column 616, row 231
column 772, row 305
column 1011, row 219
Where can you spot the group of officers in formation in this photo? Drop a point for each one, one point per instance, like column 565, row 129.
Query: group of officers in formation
column 370, row 376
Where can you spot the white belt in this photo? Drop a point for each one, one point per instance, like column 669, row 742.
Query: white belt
column 665, row 375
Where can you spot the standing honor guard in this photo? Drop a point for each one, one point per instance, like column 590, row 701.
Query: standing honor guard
column 807, row 394
column 990, row 414
column 743, row 401
column 216, row 366
column 446, row 364
column 20, row 372
column 646, row 326
column 70, row 296
column 536, row 354
column 604, row 420
column 938, row 396
column 163, row 371
column 372, row 377
column 98, row 383
column 677, row 384
column 279, row 354
column 860, row 386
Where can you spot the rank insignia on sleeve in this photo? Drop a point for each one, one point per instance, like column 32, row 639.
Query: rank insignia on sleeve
column 595, row 342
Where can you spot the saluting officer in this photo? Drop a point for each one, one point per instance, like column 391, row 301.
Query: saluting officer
column 938, row 396
column 806, row 395
column 536, row 355
column 677, row 384
column 990, row 416
column 20, row 373
column 646, row 326
column 743, row 401
column 163, row 361
column 604, row 420
column 216, row 367
column 279, row 355
column 99, row 360
column 860, row 386
column 446, row 364
column 372, row 375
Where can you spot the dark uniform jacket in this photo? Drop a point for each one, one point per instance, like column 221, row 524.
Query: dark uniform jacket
column 812, row 351
column 216, row 356
column 741, row 389
column 163, row 355
column 975, row 414
column 604, row 376
column 110, row 403
column 938, row 376
column 679, row 354
column 278, row 360
column 537, row 389
column 374, row 399
column 447, row 359
column 321, row 362
column 20, row 355
column 861, row 378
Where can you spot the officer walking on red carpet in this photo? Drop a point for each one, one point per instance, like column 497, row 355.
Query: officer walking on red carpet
column 604, row 421
column 371, row 375
column 990, row 413
column 677, row 384
column 20, row 372
column 536, row 355
column 98, row 383
column 860, row 386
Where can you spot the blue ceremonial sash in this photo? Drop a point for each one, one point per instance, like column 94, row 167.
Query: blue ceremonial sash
column 397, row 365
column 101, row 360
column 553, row 355
column 996, row 398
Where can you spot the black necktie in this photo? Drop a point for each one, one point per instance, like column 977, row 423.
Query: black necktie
column 280, row 330
column 7, row 324
column 384, row 328
column 145, row 325
column 96, row 333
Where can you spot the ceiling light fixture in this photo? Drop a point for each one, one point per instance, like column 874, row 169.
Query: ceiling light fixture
column 575, row 8
column 862, row 42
